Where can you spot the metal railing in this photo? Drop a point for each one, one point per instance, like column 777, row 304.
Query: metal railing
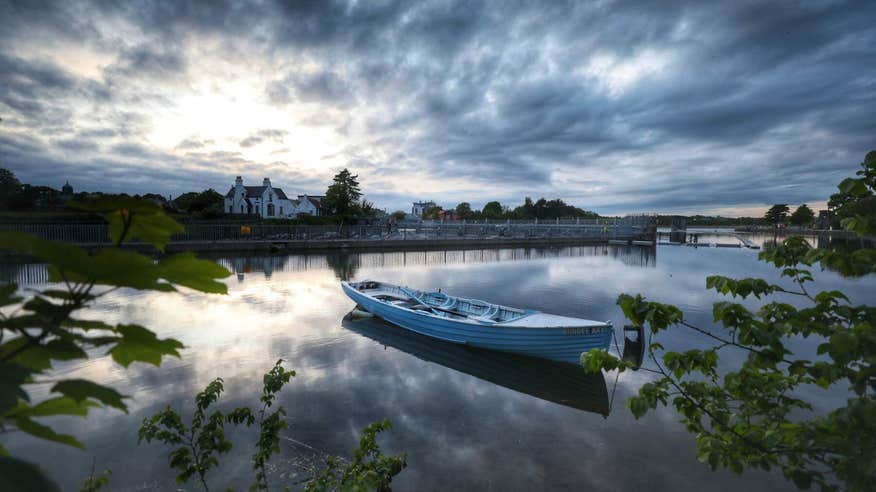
column 450, row 230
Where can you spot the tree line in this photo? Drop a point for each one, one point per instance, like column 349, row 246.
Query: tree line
column 803, row 216
column 494, row 210
column 781, row 214
column 16, row 196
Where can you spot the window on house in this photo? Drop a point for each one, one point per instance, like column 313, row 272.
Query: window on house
column 241, row 209
column 270, row 198
column 281, row 210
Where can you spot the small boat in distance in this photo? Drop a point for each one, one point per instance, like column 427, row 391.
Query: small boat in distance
column 479, row 323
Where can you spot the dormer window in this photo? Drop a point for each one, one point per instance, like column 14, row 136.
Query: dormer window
column 270, row 198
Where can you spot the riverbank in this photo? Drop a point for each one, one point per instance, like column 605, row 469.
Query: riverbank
column 420, row 235
column 299, row 246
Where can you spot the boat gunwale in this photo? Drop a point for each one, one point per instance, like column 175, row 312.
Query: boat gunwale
column 469, row 320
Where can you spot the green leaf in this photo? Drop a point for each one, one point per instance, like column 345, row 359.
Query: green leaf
column 140, row 344
column 597, row 360
column 854, row 187
column 155, row 229
column 132, row 218
column 56, row 254
column 20, row 476
column 12, row 376
column 87, row 324
column 45, row 432
column 112, row 266
column 7, row 294
column 82, row 389
column 187, row 270
column 61, row 405
column 39, row 357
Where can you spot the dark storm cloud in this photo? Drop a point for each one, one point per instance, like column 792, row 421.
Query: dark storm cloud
column 668, row 106
column 323, row 87
column 148, row 62
column 28, row 88
column 76, row 145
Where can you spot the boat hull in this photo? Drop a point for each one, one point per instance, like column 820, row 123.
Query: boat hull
column 558, row 382
column 556, row 343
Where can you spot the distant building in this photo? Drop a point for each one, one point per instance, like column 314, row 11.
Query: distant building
column 420, row 207
column 824, row 220
column 308, row 205
column 66, row 191
column 268, row 202
column 447, row 214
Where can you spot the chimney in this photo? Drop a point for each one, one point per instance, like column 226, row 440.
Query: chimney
column 266, row 182
column 238, row 181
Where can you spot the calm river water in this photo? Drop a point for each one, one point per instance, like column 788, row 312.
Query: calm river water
column 467, row 419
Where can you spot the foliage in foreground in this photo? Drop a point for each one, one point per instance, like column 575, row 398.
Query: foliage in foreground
column 755, row 416
column 198, row 445
column 41, row 327
column 369, row 470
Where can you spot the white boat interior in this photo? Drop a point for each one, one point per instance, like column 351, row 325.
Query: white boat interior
column 461, row 308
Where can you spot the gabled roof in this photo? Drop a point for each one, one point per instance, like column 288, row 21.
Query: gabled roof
column 315, row 200
column 257, row 192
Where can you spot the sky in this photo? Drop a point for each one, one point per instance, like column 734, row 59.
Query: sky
column 615, row 106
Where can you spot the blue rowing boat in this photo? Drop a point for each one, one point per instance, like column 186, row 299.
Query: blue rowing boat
column 479, row 323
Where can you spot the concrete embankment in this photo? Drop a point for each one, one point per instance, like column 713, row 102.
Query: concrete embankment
column 294, row 246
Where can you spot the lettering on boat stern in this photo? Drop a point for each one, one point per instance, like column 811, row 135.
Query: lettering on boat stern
column 584, row 330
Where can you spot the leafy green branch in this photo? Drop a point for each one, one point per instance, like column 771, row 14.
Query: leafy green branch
column 40, row 327
column 370, row 469
column 755, row 416
column 198, row 445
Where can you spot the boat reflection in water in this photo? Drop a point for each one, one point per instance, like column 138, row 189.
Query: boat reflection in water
column 558, row 382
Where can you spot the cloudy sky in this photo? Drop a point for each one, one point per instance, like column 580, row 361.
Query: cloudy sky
column 716, row 107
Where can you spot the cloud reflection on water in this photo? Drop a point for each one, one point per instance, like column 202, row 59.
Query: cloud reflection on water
column 459, row 431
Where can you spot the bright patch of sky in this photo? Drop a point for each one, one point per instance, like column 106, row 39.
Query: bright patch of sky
column 617, row 107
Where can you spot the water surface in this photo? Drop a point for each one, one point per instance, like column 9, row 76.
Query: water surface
column 467, row 420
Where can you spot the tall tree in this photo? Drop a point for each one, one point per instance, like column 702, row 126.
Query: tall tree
column 9, row 183
column 802, row 216
column 463, row 210
column 493, row 210
column 342, row 196
column 207, row 201
column 777, row 214
column 9, row 187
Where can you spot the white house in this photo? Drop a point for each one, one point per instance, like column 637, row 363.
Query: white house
column 420, row 207
column 268, row 202
column 308, row 205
